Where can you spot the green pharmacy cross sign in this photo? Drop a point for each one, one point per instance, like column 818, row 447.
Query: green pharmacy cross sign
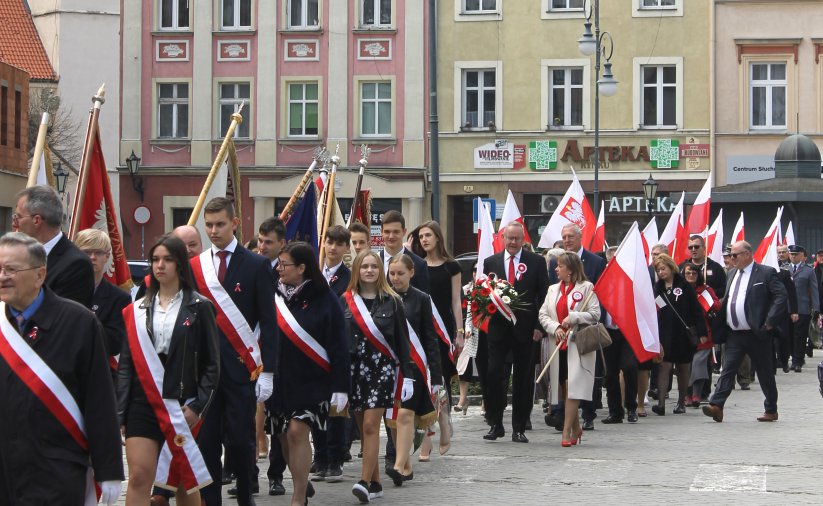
column 542, row 155
column 664, row 153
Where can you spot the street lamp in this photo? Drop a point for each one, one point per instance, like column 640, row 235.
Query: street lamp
column 133, row 164
column 61, row 178
column 650, row 192
column 592, row 44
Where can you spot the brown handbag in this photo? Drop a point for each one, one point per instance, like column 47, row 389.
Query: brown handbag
column 591, row 338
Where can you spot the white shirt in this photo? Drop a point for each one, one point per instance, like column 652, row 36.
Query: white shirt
column 329, row 272
column 52, row 243
column 506, row 257
column 580, row 253
column 387, row 257
column 216, row 259
column 741, row 277
column 163, row 321
column 273, row 264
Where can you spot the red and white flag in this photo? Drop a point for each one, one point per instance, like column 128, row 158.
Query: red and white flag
column 573, row 208
column 698, row 222
column 714, row 241
column 625, row 291
column 739, row 233
column 675, row 235
column 510, row 213
column 768, row 246
column 599, row 239
column 100, row 212
column 485, row 236
column 650, row 238
column 788, row 239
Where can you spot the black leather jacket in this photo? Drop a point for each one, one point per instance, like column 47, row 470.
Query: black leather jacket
column 418, row 308
column 193, row 361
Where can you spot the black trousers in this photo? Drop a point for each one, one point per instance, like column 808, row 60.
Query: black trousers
column 277, row 462
column 482, row 360
column 231, row 414
column 522, row 381
column 620, row 357
column 759, row 350
column 329, row 444
column 800, row 333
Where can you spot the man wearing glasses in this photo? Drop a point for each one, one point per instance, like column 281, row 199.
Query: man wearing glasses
column 712, row 271
column 747, row 321
column 69, row 273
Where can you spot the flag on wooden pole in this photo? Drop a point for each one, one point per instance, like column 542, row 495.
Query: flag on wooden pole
column 510, row 213
column 739, row 233
column 769, row 242
column 485, row 235
column 574, row 208
column 650, row 238
column 714, row 241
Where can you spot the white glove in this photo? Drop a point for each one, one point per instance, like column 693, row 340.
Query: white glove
column 264, row 387
column 436, row 389
column 110, row 492
column 339, row 401
column 408, row 389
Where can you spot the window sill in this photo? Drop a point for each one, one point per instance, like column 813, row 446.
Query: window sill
column 575, row 128
column 170, row 33
column 246, row 141
column 233, row 31
column 301, row 30
column 300, row 140
column 170, row 141
column 383, row 141
column 476, row 130
column 658, row 127
column 768, row 131
column 383, row 30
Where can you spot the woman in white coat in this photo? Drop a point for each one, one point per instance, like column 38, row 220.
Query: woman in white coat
column 569, row 304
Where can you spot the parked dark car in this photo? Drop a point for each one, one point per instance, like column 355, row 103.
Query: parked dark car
column 466, row 261
column 138, row 270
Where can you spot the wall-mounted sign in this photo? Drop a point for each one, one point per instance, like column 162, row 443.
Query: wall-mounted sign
column 543, row 155
column 694, row 150
column 172, row 50
column 501, row 154
column 637, row 204
column 748, row 168
column 664, row 153
column 374, row 49
column 233, row 50
column 302, row 50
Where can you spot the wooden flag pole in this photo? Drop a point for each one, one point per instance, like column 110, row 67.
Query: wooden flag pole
column 236, row 119
column 82, row 178
column 557, row 348
column 319, row 154
column 38, row 150
column 335, row 160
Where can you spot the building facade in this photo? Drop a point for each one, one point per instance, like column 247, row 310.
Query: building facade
column 517, row 107
column 14, row 138
column 309, row 73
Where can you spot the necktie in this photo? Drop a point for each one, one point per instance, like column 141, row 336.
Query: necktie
column 732, row 307
column 794, row 268
column 221, row 271
column 21, row 323
column 511, row 270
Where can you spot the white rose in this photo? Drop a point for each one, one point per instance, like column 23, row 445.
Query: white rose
column 506, row 299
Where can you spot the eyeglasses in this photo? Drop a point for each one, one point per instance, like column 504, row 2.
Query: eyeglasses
column 95, row 252
column 735, row 255
column 283, row 265
column 18, row 217
column 695, row 247
column 13, row 271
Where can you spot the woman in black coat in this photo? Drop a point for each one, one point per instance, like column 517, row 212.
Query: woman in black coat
column 314, row 359
column 181, row 325
column 678, row 310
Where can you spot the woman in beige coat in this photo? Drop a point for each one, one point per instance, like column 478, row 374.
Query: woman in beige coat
column 568, row 304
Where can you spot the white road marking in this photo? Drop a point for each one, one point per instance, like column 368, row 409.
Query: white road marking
column 729, row 478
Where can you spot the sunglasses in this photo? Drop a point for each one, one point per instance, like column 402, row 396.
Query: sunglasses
column 734, row 255
column 695, row 247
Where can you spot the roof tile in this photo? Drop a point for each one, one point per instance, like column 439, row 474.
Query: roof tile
column 20, row 44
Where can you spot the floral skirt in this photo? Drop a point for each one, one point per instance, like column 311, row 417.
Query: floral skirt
column 372, row 378
column 315, row 417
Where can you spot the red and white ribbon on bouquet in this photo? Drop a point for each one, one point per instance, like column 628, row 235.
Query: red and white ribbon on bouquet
column 501, row 306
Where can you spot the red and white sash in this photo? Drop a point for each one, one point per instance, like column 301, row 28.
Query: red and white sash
column 48, row 387
column 298, row 335
column 441, row 330
column 229, row 318
column 180, row 464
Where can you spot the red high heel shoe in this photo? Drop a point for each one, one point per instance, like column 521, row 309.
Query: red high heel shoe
column 578, row 439
column 566, row 444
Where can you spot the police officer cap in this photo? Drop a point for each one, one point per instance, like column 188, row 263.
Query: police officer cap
column 727, row 251
column 795, row 248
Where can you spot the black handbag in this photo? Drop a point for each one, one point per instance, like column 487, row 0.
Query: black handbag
column 591, row 338
column 691, row 330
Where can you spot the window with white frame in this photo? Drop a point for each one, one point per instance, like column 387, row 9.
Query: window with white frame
column 303, row 13
column 375, row 109
column 659, row 96
column 566, row 97
column 303, row 107
column 376, row 12
column 236, row 14
column 479, row 98
column 172, row 110
column 659, row 4
column 174, row 14
column 566, row 5
column 231, row 96
column 480, row 6
column 767, row 89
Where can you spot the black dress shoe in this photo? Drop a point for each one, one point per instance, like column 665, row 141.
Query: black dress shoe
column 632, row 417
column 612, row 419
column 496, row 431
column 659, row 410
column 652, row 393
column 588, row 425
column 276, row 487
column 519, row 437
column 798, row 368
column 227, row 477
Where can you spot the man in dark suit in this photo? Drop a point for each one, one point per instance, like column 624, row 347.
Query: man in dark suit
column 747, row 320
column 808, row 303
column 712, row 271
column 527, row 272
column 247, row 279
column 394, row 231
column 593, row 266
column 39, row 213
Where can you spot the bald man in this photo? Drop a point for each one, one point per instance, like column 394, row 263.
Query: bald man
column 191, row 238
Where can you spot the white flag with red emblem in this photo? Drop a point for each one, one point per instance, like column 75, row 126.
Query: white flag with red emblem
column 766, row 253
column 573, row 208
column 650, row 239
column 511, row 213
column 485, row 235
column 599, row 239
column 625, row 291
column 714, row 241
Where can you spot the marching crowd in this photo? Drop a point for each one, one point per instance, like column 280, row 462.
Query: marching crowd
column 226, row 343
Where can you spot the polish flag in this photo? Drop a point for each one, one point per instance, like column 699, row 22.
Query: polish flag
column 769, row 242
column 788, row 240
column 698, row 221
column 510, row 213
column 739, row 233
column 573, row 208
column 650, row 238
column 485, row 236
column 714, row 241
column 599, row 239
column 625, row 291
column 675, row 235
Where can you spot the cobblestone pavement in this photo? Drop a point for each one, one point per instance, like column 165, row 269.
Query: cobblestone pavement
column 677, row 459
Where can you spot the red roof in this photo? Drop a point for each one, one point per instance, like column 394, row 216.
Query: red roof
column 20, row 44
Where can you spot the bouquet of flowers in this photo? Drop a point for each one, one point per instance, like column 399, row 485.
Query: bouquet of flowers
column 491, row 295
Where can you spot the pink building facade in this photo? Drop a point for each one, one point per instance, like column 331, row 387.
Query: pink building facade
column 310, row 73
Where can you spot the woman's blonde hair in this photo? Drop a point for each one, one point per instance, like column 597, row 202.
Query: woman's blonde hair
column 575, row 266
column 91, row 238
column 664, row 259
column 384, row 289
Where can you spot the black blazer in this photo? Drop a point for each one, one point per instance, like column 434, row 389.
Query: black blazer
column 250, row 285
column 532, row 287
column 340, row 280
column 192, row 363
column 593, row 266
column 70, row 341
column 69, row 272
column 418, row 307
column 108, row 303
column 765, row 303
column 421, row 270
